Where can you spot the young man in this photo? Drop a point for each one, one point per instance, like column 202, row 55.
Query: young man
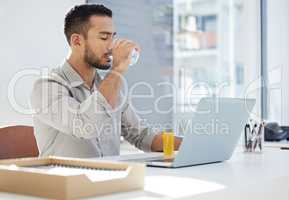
column 76, row 113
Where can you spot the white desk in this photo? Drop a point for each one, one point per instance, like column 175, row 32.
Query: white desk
column 246, row 176
column 283, row 143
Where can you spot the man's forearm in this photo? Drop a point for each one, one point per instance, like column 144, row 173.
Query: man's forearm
column 110, row 87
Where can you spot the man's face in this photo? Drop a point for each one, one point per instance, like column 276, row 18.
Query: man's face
column 98, row 44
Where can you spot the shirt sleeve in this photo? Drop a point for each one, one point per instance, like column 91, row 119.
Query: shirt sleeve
column 135, row 131
column 53, row 104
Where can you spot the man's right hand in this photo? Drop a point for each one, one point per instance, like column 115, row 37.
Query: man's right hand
column 121, row 53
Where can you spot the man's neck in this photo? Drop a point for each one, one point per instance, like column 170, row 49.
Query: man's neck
column 86, row 72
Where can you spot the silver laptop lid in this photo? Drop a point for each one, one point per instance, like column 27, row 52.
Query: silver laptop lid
column 213, row 131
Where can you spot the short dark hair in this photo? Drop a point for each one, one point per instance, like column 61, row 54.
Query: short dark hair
column 77, row 19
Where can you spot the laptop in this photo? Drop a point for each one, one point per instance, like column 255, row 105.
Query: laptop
column 211, row 133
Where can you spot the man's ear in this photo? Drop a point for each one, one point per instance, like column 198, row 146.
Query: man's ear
column 76, row 40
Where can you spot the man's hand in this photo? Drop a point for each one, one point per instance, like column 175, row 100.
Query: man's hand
column 111, row 84
column 121, row 54
column 157, row 144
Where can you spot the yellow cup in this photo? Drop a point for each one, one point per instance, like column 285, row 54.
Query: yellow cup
column 168, row 144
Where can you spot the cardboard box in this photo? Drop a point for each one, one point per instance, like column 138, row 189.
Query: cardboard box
column 64, row 178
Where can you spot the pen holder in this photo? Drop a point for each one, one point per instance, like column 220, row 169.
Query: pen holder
column 253, row 137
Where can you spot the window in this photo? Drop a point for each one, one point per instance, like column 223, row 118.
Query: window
column 216, row 52
column 275, row 50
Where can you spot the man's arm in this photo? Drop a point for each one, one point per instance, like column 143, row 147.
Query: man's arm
column 111, row 84
column 110, row 87
column 139, row 134
column 134, row 130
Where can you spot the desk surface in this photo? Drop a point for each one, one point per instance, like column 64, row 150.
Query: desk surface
column 283, row 143
column 245, row 175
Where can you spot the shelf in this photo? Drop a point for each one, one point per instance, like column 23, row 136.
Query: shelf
column 198, row 7
column 198, row 53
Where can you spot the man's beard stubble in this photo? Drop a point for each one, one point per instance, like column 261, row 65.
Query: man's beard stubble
column 92, row 60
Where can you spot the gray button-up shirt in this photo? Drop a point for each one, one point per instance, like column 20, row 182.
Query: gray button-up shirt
column 72, row 120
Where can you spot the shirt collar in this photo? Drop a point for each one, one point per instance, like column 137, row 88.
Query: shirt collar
column 73, row 77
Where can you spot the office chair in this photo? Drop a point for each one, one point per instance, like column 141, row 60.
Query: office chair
column 17, row 142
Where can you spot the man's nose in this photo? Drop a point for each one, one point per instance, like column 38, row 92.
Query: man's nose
column 110, row 45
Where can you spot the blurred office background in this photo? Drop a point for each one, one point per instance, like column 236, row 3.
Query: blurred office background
column 190, row 49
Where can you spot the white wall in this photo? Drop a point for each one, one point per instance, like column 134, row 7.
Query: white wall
column 278, row 60
column 31, row 36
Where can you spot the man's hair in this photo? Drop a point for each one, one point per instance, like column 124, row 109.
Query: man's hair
column 77, row 19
